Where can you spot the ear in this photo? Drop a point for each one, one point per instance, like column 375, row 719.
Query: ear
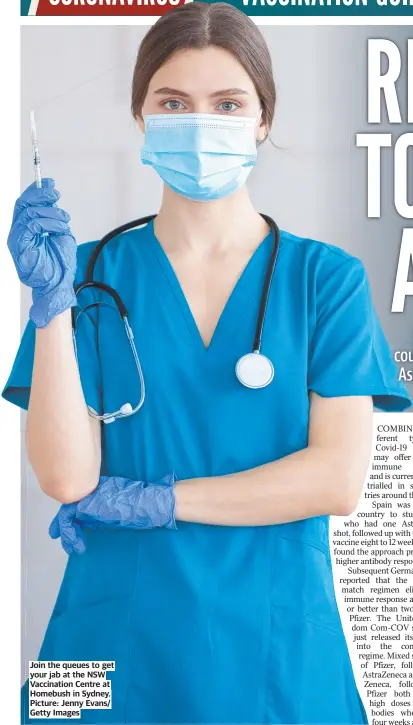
column 262, row 129
column 262, row 133
column 141, row 123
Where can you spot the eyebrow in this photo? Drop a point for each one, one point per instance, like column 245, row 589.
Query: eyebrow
column 224, row 92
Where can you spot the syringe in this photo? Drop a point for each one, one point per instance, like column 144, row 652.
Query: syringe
column 36, row 155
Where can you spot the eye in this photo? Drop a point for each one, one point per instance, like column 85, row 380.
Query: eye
column 228, row 106
column 173, row 105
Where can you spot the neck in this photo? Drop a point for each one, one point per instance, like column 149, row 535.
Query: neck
column 182, row 224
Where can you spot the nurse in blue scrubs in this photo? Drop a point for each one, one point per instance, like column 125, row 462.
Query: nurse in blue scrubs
column 197, row 529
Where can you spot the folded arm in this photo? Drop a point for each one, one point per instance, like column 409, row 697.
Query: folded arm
column 324, row 478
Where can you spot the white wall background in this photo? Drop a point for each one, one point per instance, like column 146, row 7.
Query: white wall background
column 313, row 184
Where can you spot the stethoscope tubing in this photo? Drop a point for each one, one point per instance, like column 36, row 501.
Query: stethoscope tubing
column 90, row 271
column 90, row 283
column 265, row 295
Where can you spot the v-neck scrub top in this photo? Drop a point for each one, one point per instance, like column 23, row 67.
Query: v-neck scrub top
column 215, row 624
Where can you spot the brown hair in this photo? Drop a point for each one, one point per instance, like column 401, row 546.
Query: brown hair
column 199, row 25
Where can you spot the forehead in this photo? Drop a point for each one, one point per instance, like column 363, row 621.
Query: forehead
column 202, row 71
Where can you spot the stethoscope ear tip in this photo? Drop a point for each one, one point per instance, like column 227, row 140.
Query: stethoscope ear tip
column 254, row 370
column 124, row 410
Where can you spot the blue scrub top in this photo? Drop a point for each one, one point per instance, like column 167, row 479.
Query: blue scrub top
column 215, row 624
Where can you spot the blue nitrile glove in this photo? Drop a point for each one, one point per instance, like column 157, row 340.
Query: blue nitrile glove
column 44, row 251
column 116, row 503
column 64, row 525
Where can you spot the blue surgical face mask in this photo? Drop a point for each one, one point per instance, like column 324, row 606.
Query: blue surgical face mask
column 202, row 156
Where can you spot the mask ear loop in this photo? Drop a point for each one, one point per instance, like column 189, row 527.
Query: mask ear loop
column 258, row 123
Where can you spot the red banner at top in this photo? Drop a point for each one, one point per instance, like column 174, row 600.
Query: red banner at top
column 102, row 7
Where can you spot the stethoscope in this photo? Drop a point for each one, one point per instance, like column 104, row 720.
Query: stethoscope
column 253, row 370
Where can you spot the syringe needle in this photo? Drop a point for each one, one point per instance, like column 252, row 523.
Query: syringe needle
column 36, row 155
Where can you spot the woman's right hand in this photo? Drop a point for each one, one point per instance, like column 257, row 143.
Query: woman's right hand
column 44, row 251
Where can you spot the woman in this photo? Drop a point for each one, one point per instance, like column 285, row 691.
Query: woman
column 212, row 588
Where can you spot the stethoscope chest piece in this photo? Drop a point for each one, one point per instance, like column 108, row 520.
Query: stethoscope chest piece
column 254, row 370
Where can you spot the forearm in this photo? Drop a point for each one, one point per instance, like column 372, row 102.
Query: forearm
column 63, row 441
column 310, row 482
